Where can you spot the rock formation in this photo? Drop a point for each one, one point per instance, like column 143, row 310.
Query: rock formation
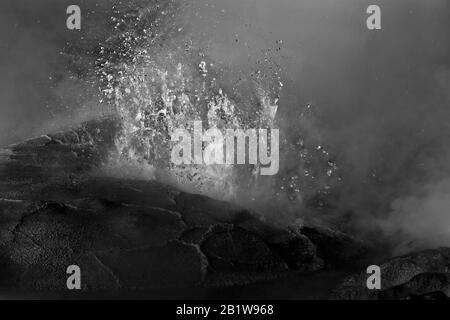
column 143, row 238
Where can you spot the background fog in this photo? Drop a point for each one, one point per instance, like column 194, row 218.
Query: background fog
column 381, row 101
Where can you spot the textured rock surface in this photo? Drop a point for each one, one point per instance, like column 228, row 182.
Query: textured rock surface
column 423, row 274
column 125, row 234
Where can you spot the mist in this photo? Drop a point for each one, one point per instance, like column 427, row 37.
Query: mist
column 43, row 87
column 380, row 99
column 381, row 103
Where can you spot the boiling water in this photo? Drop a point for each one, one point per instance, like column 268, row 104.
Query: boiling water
column 161, row 76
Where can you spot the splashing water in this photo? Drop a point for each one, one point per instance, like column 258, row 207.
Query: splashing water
column 160, row 79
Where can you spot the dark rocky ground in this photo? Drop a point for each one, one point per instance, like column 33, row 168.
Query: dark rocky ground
column 143, row 239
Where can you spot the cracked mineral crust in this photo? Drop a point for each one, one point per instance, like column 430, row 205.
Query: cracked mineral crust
column 134, row 235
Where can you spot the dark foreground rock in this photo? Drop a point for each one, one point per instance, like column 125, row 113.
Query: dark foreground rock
column 421, row 275
column 128, row 235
